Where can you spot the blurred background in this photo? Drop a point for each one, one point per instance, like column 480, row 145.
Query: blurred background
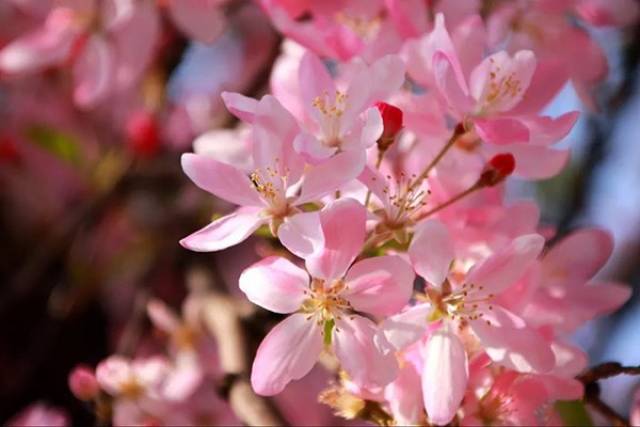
column 93, row 203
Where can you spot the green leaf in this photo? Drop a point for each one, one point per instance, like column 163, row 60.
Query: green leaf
column 58, row 143
column 573, row 413
column 328, row 329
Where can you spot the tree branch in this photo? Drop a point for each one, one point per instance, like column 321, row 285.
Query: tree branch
column 223, row 317
column 592, row 390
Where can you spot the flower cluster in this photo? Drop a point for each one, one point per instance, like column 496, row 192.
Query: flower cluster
column 382, row 176
column 376, row 170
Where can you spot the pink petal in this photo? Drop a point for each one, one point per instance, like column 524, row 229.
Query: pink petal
column 547, row 130
column 441, row 45
column 184, row 378
column 302, row 234
column 432, row 252
column 407, row 327
column 448, row 86
column 275, row 284
column 240, row 106
column 377, row 82
column 444, row 378
column 570, row 360
column 314, row 81
column 150, row 372
column 567, row 306
column 343, row 227
column 202, row 20
column 470, row 41
column 287, row 353
column 374, row 181
column 488, row 82
column 372, row 128
column 405, row 396
column 93, row 72
column 578, row 256
column 363, row 352
column 312, row 148
column 536, row 161
column 48, row 46
column 219, row 179
column 409, row 16
column 510, row 342
column 112, row 373
column 134, row 40
column 274, row 132
column 226, row 231
column 162, row 317
column 230, row 146
column 501, row 131
column 549, row 78
column 380, row 286
column 331, row 175
column 507, row 266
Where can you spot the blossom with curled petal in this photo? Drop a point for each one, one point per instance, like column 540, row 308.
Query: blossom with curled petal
column 324, row 301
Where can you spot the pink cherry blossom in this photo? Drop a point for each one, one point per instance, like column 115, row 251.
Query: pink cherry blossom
column 104, row 62
column 470, row 303
column 564, row 294
column 325, row 305
column 271, row 193
column 496, row 97
column 344, row 120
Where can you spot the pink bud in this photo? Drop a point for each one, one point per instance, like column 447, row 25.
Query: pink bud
column 142, row 134
column 83, row 383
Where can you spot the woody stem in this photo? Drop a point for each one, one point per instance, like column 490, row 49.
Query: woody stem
column 459, row 130
column 449, row 202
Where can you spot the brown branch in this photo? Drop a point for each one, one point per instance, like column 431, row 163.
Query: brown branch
column 223, row 317
column 592, row 390
column 607, row 370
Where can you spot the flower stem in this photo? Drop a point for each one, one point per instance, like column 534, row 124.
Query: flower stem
column 378, row 163
column 459, row 130
column 449, row 202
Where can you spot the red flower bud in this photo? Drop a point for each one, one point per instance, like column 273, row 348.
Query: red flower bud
column 392, row 120
column 143, row 134
column 83, row 383
column 9, row 151
column 498, row 168
column 504, row 163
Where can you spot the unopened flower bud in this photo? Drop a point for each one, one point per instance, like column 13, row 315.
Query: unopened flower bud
column 143, row 134
column 392, row 121
column 498, row 168
column 8, row 151
column 83, row 383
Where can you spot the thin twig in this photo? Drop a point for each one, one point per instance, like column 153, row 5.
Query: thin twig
column 224, row 321
column 592, row 390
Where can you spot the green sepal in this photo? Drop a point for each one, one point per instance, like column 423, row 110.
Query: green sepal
column 328, row 330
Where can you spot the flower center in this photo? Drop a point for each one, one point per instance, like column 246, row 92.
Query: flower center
column 494, row 409
column 332, row 110
column 463, row 304
column 501, row 87
column 324, row 303
column 365, row 28
column 131, row 389
column 402, row 200
column 271, row 185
